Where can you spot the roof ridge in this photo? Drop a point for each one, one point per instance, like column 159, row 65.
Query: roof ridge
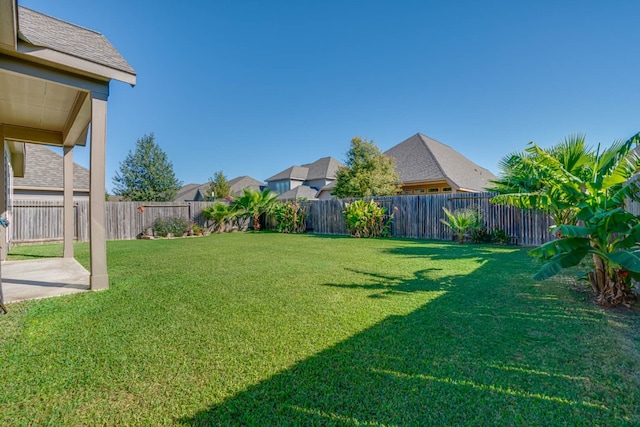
column 421, row 136
column 59, row 20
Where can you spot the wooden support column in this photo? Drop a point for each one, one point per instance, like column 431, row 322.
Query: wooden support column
column 97, row 233
column 68, row 201
column 4, row 247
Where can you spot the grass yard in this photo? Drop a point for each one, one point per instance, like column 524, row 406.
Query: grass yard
column 274, row 329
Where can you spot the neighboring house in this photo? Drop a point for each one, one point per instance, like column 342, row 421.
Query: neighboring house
column 427, row 166
column 316, row 176
column 193, row 193
column 239, row 184
column 301, row 192
column 201, row 192
column 43, row 176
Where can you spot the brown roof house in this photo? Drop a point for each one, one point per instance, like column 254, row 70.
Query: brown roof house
column 311, row 177
column 54, row 87
column 427, row 166
column 43, row 178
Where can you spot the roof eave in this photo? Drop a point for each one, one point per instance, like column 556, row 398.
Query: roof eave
column 75, row 64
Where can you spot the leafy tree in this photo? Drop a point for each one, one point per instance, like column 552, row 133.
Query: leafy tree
column 367, row 172
column 605, row 230
column 219, row 186
column 254, row 203
column 146, row 174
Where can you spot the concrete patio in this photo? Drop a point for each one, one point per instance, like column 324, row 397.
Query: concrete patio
column 42, row 278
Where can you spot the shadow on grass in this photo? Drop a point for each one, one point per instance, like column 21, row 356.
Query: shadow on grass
column 486, row 352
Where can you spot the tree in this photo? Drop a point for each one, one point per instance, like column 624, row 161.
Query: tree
column 604, row 230
column 522, row 174
column 146, row 174
column 254, row 203
column 367, row 172
column 219, row 186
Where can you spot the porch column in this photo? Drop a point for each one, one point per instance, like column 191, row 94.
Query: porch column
column 68, row 201
column 4, row 249
column 97, row 234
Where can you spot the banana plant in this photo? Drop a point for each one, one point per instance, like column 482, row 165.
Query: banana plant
column 602, row 227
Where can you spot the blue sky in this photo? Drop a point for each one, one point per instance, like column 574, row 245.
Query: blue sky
column 253, row 87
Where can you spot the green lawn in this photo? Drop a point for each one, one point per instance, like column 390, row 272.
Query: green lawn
column 273, row 329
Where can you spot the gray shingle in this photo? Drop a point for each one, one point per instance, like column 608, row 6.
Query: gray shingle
column 300, row 192
column 298, row 173
column 420, row 158
column 238, row 184
column 42, row 30
column 43, row 169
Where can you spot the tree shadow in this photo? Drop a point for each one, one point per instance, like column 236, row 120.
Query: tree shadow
column 469, row 357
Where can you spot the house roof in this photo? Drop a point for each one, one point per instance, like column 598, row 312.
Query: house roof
column 299, row 192
column 298, row 173
column 52, row 33
column 190, row 191
column 240, row 183
column 420, row 159
column 323, row 168
column 44, row 169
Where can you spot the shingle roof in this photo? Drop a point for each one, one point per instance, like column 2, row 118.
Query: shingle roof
column 323, row 168
column 43, row 169
column 294, row 172
column 187, row 192
column 299, row 192
column 42, row 30
column 240, row 183
column 421, row 158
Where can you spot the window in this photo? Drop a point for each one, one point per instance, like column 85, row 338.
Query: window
column 419, row 191
column 433, row 190
column 407, row 192
column 446, row 189
column 279, row 187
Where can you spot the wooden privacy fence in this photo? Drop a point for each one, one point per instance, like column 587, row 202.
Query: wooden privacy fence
column 419, row 217
column 40, row 221
column 414, row 217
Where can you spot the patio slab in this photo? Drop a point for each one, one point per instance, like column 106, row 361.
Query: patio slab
column 42, row 278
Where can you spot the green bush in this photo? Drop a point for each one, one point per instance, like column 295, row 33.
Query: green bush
column 170, row 225
column 291, row 217
column 462, row 221
column 485, row 235
column 367, row 219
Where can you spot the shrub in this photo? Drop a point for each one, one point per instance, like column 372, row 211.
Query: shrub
column 367, row 219
column 462, row 221
column 170, row 225
column 291, row 217
column 485, row 235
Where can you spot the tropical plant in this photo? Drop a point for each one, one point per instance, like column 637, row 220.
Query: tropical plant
column 253, row 203
column 462, row 221
column 291, row 217
column 605, row 230
column 221, row 213
column 367, row 219
column 523, row 182
column 367, row 172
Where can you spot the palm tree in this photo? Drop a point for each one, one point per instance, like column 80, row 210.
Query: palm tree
column 221, row 213
column 254, row 203
column 525, row 177
column 461, row 221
